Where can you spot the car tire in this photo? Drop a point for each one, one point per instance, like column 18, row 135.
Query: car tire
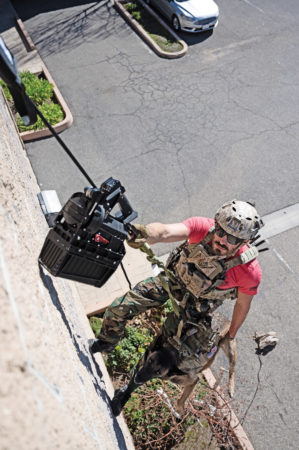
column 175, row 23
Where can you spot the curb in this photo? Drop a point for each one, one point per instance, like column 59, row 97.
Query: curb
column 234, row 422
column 59, row 127
column 23, row 33
column 68, row 118
column 145, row 36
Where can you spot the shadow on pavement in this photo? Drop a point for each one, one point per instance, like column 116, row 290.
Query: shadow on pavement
column 64, row 24
column 195, row 38
column 67, row 23
column 30, row 8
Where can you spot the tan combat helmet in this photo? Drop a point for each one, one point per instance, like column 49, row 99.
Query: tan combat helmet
column 239, row 219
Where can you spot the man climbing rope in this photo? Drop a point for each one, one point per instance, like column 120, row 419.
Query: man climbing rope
column 217, row 261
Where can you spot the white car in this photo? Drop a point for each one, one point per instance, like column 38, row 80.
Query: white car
column 188, row 15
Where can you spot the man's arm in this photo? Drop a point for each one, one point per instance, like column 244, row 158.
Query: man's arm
column 159, row 232
column 240, row 312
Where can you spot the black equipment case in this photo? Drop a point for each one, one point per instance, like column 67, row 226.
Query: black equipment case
column 86, row 243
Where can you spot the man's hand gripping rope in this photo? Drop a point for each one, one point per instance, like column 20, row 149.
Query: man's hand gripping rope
column 138, row 235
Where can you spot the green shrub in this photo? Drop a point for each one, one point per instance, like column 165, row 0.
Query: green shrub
column 136, row 15
column 52, row 112
column 41, row 93
column 129, row 350
column 130, row 7
column 153, row 27
column 149, row 418
column 5, row 90
column 38, row 89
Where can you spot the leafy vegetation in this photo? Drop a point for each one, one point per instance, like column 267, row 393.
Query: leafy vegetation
column 148, row 416
column 96, row 324
column 5, row 90
column 157, row 32
column 41, row 93
column 126, row 355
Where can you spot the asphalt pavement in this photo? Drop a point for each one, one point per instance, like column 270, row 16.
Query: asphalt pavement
column 183, row 136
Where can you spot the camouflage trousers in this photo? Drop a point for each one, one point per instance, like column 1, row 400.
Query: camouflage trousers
column 144, row 296
column 193, row 347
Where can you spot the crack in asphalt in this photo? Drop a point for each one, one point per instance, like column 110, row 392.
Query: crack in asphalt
column 163, row 121
column 166, row 114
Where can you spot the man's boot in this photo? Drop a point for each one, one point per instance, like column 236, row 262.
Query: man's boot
column 96, row 346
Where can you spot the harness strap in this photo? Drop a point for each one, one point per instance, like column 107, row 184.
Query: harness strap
column 205, row 344
column 180, row 329
column 167, row 277
column 209, row 236
column 245, row 257
column 151, row 257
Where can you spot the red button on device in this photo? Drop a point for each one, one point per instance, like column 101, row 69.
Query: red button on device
column 99, row 238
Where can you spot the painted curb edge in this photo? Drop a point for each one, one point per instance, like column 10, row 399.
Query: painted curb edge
column 23, row 32
column 163, row 54
column 234, row 422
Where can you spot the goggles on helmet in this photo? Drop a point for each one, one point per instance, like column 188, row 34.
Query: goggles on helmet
column 233, row 240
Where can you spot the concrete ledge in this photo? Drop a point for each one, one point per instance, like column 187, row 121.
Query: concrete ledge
column 234, row 422
column 96, row 300
column 59, row 127
column 145, row 36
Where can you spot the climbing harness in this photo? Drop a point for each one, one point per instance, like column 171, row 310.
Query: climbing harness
column 208, row 267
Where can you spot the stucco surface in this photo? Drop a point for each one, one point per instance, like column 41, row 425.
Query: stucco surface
column 53, row 394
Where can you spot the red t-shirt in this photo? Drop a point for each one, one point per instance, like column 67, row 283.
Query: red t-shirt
column 245, row 277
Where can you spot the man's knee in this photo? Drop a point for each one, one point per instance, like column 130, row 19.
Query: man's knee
column 121, row 309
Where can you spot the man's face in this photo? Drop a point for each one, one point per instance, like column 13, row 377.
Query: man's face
column 222, row 247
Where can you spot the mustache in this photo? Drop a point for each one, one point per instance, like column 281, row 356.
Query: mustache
column 221, row 245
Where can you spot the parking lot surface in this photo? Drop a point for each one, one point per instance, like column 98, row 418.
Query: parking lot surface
column 183, row 136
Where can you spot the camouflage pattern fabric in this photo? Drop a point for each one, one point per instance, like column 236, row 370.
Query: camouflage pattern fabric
column 144, row 296
column 192, row 348
column 196, row 341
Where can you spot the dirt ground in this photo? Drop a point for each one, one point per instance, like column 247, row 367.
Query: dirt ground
column 53, row 394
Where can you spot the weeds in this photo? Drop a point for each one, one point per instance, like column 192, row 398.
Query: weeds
column 147, row 413
column 156, row 31
column 126, row 355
